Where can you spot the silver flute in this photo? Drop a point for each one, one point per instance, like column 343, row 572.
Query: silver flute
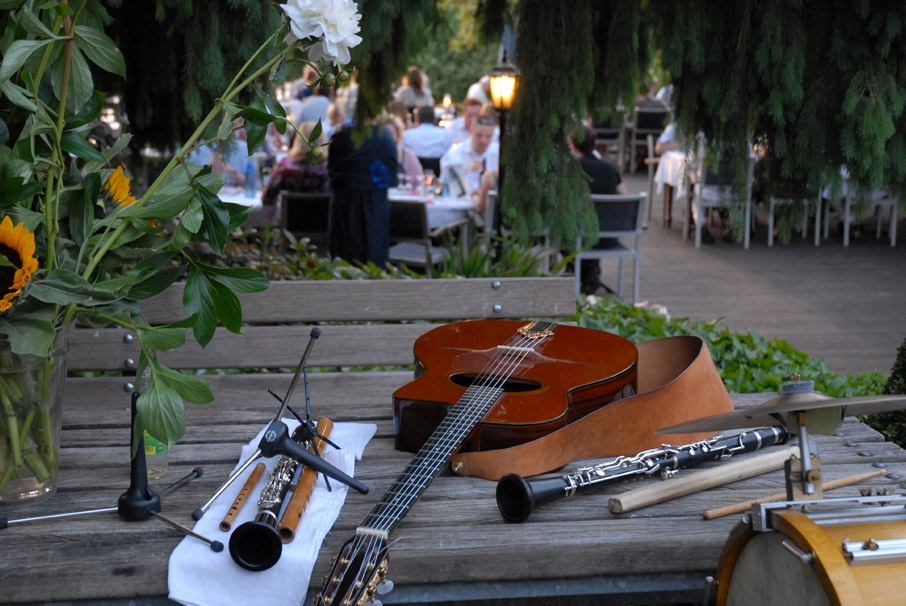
column 518, row 496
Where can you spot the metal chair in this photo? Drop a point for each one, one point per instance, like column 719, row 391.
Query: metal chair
column 712, row 191
column 647, row 121
column 412, row 240
column 620, row 217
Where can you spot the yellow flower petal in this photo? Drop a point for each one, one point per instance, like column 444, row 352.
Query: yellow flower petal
column 17, row 246
column 118, row 186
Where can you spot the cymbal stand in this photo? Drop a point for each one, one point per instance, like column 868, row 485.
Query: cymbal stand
column 277, row 440
column 139, row 502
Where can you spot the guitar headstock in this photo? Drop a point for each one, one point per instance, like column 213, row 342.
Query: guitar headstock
column 356, row 571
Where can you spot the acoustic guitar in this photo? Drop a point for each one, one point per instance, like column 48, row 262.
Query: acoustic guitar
column 487, row 383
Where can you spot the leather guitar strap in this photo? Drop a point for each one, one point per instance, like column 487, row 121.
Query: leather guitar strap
column 677, row 382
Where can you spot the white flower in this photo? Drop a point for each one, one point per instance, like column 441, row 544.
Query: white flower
column 333, row 23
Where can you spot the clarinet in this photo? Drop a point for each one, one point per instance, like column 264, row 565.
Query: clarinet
column 256, row 545
column 517, row 496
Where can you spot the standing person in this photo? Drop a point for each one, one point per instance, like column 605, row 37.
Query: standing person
column 605, row 180
column 360, row 174
column 416, row 92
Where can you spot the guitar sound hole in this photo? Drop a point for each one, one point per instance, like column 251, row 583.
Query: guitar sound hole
column 510, row 385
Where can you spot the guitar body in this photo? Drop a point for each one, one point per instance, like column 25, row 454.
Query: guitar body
column 574, row 372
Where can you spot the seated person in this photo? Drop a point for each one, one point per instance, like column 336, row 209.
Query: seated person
column 298, row 171
column 460, row 127
column 464, row 163
column 427, row 140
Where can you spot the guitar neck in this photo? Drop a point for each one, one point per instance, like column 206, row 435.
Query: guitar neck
column 436, row 452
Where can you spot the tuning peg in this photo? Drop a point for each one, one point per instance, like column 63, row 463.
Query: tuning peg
column 385, row 587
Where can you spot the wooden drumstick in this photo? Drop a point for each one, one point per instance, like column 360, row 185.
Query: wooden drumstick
column 302, row 492
column 227, row 521
column 702, row 480
column 726, row 510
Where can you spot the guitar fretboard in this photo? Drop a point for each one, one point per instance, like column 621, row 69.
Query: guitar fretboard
column 475, row 403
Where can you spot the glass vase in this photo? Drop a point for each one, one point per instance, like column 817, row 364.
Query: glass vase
column 31, row 400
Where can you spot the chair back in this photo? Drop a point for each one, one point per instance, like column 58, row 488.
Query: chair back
column 619, row 215
column 649, row 121
column 409, row 222
column 432, row 163
column 305, row 214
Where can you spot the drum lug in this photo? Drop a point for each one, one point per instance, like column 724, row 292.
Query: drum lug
column 805, row 558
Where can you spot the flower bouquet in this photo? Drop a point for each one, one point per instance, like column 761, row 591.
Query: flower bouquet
column 77, row 245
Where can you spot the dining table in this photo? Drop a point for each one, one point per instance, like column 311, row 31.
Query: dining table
column 441, row 210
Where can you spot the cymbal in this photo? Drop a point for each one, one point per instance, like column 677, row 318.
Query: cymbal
column 822, row 410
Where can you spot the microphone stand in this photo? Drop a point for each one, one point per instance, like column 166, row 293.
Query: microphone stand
column 277, row 441
column 139, row 502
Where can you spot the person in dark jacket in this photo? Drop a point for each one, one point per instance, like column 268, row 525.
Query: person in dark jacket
column 362, row 166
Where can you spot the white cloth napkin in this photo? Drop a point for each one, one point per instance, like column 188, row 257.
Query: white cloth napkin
column 199, row 577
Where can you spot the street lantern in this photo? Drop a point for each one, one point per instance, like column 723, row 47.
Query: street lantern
column 503, row 79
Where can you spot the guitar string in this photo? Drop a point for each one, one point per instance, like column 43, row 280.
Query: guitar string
column 454, row 428
column 369, row 542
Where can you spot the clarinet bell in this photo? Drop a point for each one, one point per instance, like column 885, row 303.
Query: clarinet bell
column 255, row 546
column 517, row 497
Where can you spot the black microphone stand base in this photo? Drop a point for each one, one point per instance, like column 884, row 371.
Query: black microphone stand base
column 139, row 502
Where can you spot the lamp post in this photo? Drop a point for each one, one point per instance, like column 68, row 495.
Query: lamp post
column 504, row 80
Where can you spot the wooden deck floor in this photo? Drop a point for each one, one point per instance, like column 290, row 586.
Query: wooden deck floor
column 843, row 305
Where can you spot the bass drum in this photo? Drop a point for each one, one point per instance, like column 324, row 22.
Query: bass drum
column 768, row 568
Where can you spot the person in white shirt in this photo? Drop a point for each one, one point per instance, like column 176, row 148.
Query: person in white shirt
column 480, row 90
column 459, row 127
column 469, row 159
column 427, row 140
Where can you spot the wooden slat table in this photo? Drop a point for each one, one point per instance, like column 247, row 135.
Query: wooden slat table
column 452, row 547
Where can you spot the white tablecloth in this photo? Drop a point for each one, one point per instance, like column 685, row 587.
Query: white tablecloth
column 441, row 210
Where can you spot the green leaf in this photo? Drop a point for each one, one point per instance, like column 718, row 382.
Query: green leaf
column 157, row 282
column 198, row 299
column 17, row 54
column 31, row 333
column 215, row 227
column 63, row 287
column 18, row 96
column 163, row 338
column 162, row 410
column 190, row 388
column 81, row 83
column 14, row 189
column 100, row 50
column 73, row 143
column 240, row 279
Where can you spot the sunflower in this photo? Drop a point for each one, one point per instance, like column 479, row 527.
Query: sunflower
column 17, row 261
column 118, row 185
